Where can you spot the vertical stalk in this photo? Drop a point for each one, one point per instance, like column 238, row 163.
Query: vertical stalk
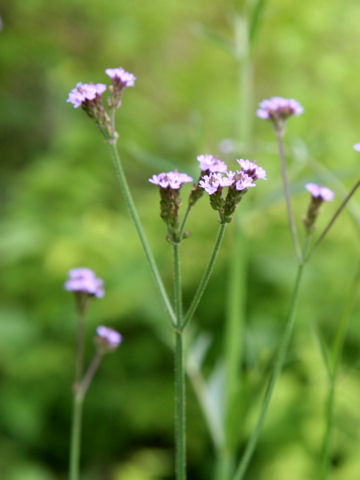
column 180, row 392
column 135, row 217
column 79, row 395
column 337, row 351
column 279, row 362
column 75, row 439
column 280, row 135
column 80, row 347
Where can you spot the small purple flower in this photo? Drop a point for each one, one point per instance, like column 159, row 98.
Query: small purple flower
column 121, row 76
column 211, row 163
column 278, row 108
column 172, row 180
column 357, row 147
column 84, row 280
column 252, row 169
column 84, row 92
column 243, row 181
column 108, row 338
column 318, row 192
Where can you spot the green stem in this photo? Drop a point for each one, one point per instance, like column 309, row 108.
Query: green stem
column 279, row 134
column 183, row 224
column 279, row 362
column 135, row 217
column 180, row 391
column 75, row 439
column 337, row 351
column 79, row 396
column 205, row 278
column 82, row 303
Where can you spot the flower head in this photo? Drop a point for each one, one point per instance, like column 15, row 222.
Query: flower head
column 84, row 280
column 243, row 181
column 357, row 147
column 318, row 192
column 211, row 163
column 211, row 183
column 85, row 92
column 278, row 108
column 121, row 76
column 107, row 338
column 252, row 169
column 172, row 180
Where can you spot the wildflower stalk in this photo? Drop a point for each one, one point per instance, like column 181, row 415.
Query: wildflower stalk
column 183, row 223
column 333, row 374
column 180, row 391
column 280, row 134
column 135, row 217
column 82, row 304
column 205, row 278
column 279, row 362
column 334, row 218
column 76, row 427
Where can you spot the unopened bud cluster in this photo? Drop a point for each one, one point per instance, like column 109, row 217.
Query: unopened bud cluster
column 89, row 97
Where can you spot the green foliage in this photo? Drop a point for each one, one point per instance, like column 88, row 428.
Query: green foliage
column 61, row 208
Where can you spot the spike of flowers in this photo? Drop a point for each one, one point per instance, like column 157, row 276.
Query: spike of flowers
column 278, row 110
column 84, row 93
column 169, row 185
column 107, row 339
column 319, row 195
column 84, row 281
column 210, row 163
column 120, row 80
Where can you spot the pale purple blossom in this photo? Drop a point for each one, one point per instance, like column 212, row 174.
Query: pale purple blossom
column 243, row 181
column 108, row 337
column 84, row 280
column 211, row 183
column 320, row 193
column 279, row 108
column 172, row 180
column 357, row 147
column 211, row 163
column 119, row 75
column 85, row 92
column 252, row 169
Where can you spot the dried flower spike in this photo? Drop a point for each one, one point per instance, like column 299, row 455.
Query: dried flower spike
column 84, row 281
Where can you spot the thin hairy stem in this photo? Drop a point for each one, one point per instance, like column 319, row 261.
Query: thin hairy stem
column 180, row 391
column 334, row 218
column 205, row 278
column 79, row 395
column 279, row 362
column 135, row 217
column 183, row 223
column 280, row 134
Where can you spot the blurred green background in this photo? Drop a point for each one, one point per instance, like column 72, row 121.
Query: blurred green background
column 61, row 208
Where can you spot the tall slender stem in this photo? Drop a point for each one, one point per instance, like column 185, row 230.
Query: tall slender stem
column 180, row 391
column 337, row 351
column 79, row 395
column 135, row 217
column 183, row 223
column 205, row 278
column 280, row 134
column 82, row 304
column 279, row 362
column 335, row 216
column 75, row 439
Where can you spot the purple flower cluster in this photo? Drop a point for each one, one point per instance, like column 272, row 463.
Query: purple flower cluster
column 84, row 280
column 320, row 193
column 357, row 147
column 108, row 338
column 241, row 179
column 278, row 108
column 85, row 92
column 173, row 180
column 119, row 75
column 211, row 164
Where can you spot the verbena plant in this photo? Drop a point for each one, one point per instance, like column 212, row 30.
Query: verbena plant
column 225, row 189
